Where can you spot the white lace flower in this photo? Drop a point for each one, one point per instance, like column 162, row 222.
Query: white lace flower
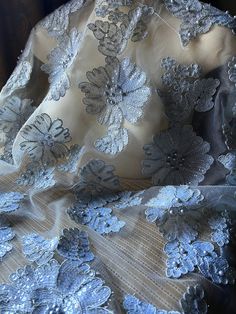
column 45, row 139
column 59, row 61
column 115, row 92
column 177, row 156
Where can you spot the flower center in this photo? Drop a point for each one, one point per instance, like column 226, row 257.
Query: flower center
column 114, row 94
column 47, row 140
column 174, row 160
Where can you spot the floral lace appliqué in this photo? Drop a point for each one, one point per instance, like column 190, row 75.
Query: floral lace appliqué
column 10, row 202
column 229, row 162
column 115, row 93
column 50, row 288
column 192, row 303
column 96, row 178
column 59, row 61
column 74, row 245
column 97, row 214
column 37, row 249
column 177, row 156
column 57, row 23
column 179, row 212
column 6, row 235
column 13, row 115
column 45, row 139
column 185, row 90
column 113, row 36
column 197, row 18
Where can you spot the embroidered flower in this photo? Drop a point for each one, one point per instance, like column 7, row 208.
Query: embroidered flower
column 113, row 37
column 177, row 156
column 229, row 162
column 74, row 245
column 175, row 211
column 97, row 213
column 45, row 139
column 50, row 288
column 57, row 22
column 197, row 18
column 116, row 92
column 22, row 73
column 37, row 249
column 38, row 177
column 96, row 178
column 192, row 302
column 59, row 61
column 13, row 115
column 186, row 91
column 202, row 94
column 184, row 257
column 10, row 202
column 6, row 234
column 220, row 227
column 128, row 199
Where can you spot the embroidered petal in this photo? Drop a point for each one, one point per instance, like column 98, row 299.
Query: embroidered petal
column 74, row 245
column 37, row 249
column 10, row 202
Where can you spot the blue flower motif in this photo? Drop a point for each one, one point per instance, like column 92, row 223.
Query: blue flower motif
column 175, row 211
column 197, row 18
column 192, row 302
column 96, row 178
column 217, row 269
column 37, row 176
column 37, row 249
column 177, row 156
column 229, row 162
column 6, row 234
column 220, row 227
column 128, row 199
column 232, row 70
column 184, row 257
column 60, row 60
column 68, row 288
column 10, row 202
column 115, row 92
column 99, row 219
column 45, row 139
column 74, row 245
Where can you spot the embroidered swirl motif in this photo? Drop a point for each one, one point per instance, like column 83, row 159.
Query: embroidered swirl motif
column 13, row 115
column 115, row 92
column 45, row 139
column 177, row 156
column 197, row 18
column 60, row 60
column 192, row 302
column 54, row 288
column 185, row 90
column 179, row 212
column 57, row 23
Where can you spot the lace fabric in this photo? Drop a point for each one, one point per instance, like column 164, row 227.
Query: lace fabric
column 117, row 170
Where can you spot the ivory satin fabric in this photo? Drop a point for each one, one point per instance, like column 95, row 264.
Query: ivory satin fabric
column 131, row 261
